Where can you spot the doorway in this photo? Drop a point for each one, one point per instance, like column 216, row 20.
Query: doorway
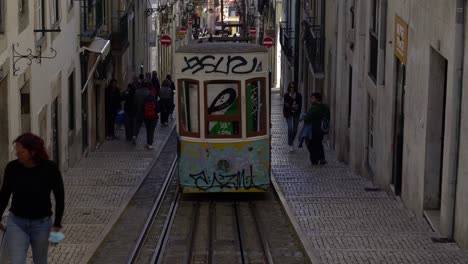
column 55, row 131
column 25, row 108
column 84, row 120
column 435, row 133
column 97, row 117
column 4, row 138
column 398, row 127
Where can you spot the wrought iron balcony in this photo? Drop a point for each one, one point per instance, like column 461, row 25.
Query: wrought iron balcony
column 91, row 18
column 314, row 43
column 287, row 41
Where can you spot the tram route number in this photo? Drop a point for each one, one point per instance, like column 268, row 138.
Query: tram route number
column 225, row 64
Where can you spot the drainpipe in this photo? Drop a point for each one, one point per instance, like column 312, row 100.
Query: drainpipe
column 447, row 213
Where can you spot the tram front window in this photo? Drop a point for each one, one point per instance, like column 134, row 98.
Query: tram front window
column 223, row 109
column 188, row 108
column 256, row 107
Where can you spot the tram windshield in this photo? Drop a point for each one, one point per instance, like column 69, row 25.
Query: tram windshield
column 256, row 107
column 189, row 105
column 223, row 109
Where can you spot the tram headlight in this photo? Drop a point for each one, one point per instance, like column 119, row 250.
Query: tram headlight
column 223, row 165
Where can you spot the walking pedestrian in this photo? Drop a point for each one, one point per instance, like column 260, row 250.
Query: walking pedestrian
column 30, row 179
column 155, row 83
column 112, row 101
column 139, row 99
column 166, row 101
column 150, row 119
column 173, row 88
column 317, row 115
column 130, row 111
column 291, row 111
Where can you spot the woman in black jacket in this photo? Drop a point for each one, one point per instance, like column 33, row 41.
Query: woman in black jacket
column 30, row 180
column 291, row 111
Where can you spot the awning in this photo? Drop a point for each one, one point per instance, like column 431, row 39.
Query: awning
column 98, row 45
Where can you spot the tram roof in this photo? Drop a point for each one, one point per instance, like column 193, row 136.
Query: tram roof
column 221, row 47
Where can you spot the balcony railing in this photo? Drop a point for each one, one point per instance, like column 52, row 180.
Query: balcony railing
column 119, row 39
column 91, row 18
column 287, row 41
column 315, row 47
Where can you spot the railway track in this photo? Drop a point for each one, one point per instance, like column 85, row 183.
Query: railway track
column 161, row 225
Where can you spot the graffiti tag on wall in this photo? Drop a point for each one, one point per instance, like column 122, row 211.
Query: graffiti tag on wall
column 226, row 65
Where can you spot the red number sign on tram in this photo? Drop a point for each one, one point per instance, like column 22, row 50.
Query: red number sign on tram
column 166, row 40
column 268, row 42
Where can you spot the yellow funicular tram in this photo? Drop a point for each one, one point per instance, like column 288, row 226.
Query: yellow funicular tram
column 223, row 117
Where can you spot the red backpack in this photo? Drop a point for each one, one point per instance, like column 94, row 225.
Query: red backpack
column 150, row 109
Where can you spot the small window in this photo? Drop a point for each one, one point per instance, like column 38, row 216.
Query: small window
column 188, row 94
column 55, row 11
column 256, row 107
column 2, row 17
column 39, row 18
column 223, row 112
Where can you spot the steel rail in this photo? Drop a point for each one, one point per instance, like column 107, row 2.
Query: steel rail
column 163, row 239
column 268, row 259
column 212, row 232
column 240, row 227
column 192, row 233
column 153, row 213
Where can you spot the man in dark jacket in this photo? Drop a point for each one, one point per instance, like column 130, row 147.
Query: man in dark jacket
column 141, row 93
column 129, row 109
column 112, row 107
column 314, row 117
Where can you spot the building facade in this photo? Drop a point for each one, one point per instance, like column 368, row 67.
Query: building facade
column 39, row 75
column 395, row 72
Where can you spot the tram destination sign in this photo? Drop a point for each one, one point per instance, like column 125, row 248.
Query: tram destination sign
column 201, row 64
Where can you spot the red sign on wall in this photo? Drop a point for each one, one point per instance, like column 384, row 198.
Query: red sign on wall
column 253, row 31
column 268, row 42
column 166, row 40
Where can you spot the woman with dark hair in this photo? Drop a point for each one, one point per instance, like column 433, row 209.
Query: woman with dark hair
column 291, row 111
column 29, row 180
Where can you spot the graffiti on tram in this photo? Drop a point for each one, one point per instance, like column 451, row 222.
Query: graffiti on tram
column 225, row 167
column 221, row 64
column 238, row 180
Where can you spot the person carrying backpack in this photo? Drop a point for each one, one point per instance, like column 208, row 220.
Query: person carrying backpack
column 318, row 118
column 150, row 119
column 166, row 101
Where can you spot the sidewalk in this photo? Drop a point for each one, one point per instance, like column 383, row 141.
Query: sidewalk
column 97, row 190
column 340, row 221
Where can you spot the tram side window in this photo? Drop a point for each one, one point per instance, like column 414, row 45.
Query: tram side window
column 256, row 107
column 223, row 109
column 188, row 108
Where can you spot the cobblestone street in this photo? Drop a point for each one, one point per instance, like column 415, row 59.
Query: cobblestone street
column 341, row 221
column 97, row 190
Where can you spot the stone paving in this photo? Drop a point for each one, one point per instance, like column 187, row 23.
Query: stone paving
column 341, row 222
column 97, row 190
